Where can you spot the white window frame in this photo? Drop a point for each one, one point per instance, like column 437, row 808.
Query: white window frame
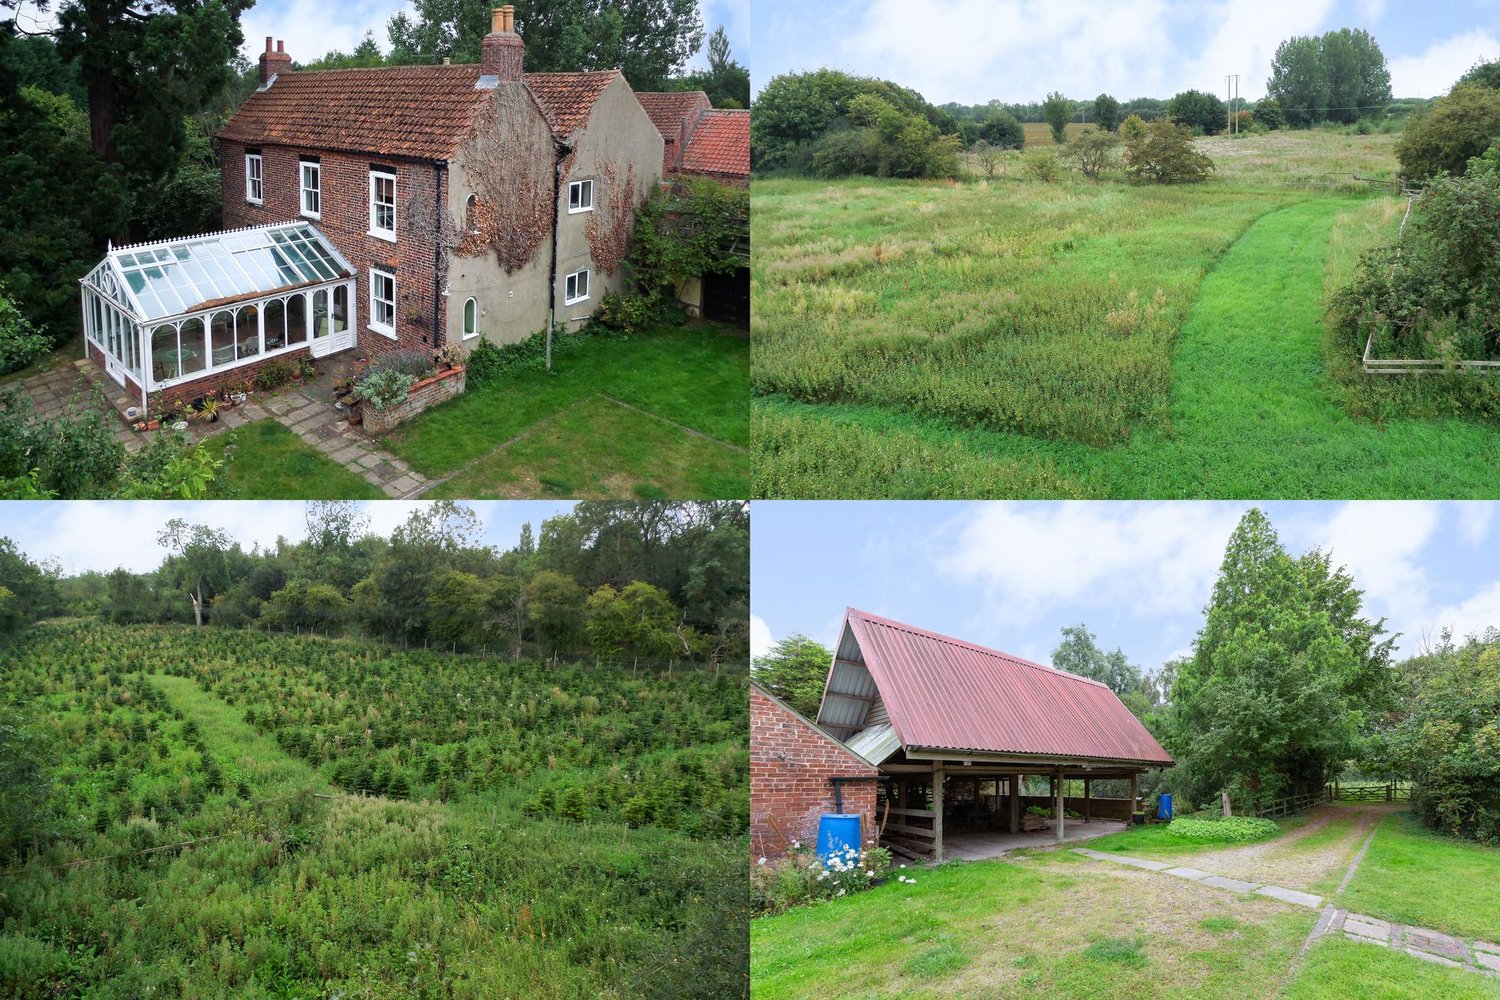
column 470, row 334
column 388, row 330
column 255, row 180
column 578, row 188
column 303, row 166
column 570, row 287
column 384, row 234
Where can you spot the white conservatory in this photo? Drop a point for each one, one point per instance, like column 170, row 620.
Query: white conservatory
column 165, row 315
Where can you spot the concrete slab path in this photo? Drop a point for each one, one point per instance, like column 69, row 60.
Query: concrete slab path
column 1422, row 942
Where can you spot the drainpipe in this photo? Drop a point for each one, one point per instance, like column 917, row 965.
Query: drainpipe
column 438, row 168
column 563, row 149
column 839, row 782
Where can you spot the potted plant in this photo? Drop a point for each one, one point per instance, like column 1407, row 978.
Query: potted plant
column 306, row 372
column 208, row 410
column 238, row 392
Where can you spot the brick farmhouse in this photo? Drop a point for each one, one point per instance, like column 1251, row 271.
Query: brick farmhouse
column 401, row 207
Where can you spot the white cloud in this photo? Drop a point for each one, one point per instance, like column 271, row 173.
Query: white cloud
column 1436, row 70
column 760, row 636
column 1471, row 617
column 1246, row 40
column 1150, row 559
column 1378, row 542
column 312, row 28
column 1474, row 519
column 1371, row 11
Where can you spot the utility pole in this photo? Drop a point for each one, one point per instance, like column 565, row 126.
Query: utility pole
column 1232, row 91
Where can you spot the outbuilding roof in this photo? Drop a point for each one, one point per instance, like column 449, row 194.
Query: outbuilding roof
column 942, row 693
column 719, row 145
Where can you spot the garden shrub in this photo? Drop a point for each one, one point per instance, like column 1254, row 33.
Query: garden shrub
column 273, row 375
column 1164, row 154
column 1436, row 293
column 1041, row 165
column 802, row 877
column 1223, row 830
column 1458, row 127
column 384, row 389
column 628, row 313
column 20, row 343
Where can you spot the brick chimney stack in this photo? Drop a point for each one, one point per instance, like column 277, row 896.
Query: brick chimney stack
column 272, row 63
column 501, row 51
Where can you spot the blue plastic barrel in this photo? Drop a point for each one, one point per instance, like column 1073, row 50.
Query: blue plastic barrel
column 1164, row 806
column 837, row 832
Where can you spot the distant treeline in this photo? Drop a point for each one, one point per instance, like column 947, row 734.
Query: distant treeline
column 650, row 581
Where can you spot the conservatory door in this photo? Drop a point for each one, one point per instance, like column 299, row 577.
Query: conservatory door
column 332, row 326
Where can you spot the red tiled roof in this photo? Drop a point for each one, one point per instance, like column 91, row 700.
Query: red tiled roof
column 720, row 145
column 668, row 109
column 567, row 99
column 944, row 693
column 417, row 111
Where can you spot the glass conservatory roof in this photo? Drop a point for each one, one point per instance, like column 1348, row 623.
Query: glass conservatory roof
column 158, row 280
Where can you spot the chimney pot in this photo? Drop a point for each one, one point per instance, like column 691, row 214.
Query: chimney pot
column 497, row 20
column 268, row 43
column 501, row 53
column 281, row 47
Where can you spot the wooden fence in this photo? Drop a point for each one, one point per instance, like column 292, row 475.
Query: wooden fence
column 1287, row 806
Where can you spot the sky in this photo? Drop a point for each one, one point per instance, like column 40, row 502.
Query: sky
column 105, row 534
column 1011, row 575
column 311, row 28
column 974, row 51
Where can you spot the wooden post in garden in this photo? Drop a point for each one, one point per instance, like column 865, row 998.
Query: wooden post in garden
column 1058, row 810
column 1131, row 818
column 1015, row 803
column 937, row 811
column 1224, row 802
column 1086, row 811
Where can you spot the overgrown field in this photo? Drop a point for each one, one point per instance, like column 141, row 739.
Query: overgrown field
column 369, row 822
column 1019, row 338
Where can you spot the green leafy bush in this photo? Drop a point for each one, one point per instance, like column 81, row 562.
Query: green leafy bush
column 384, row 389
column 1041, row 165
column 20, row 343
column 1458, row 127
column 1223, row 830
column 1165, row 154
column 417, row 364
column 273, row 375
column 628, row 313
column 802, row 877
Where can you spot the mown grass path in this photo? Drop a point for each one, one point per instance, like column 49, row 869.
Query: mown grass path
column 1251, row 415
column 242, row 752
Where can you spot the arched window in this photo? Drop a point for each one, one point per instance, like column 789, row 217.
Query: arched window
column 471, row 213
column 471, row 318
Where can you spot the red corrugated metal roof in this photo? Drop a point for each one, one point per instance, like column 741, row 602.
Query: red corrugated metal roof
column 944, row 693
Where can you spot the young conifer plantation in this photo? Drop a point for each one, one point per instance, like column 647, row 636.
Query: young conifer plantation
column 362, row 803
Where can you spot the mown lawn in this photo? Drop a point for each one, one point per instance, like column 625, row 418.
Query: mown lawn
column 1006, row 929
column 664, row 413
column 1339, row 969
column 269, row 462
column 1415, row 876
column 1007, row 339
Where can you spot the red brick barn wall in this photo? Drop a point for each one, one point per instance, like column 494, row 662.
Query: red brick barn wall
column 345, row 187
column 790, row 764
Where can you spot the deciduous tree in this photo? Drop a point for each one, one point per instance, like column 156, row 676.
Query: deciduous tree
column 1057, row 111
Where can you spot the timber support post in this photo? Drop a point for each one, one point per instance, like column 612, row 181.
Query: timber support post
column 1058, row 809
column 1015, row 803
column 937, row 812
column 1086, row 813
column 1131, row 818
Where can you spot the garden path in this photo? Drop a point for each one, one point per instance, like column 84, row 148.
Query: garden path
column 1422, row 942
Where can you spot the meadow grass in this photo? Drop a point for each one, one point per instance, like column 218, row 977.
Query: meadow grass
column 1415, row 876
column 1007, row 339
column 1003, row 929
column 1339, row 969
column 1249, row 414
column 268, row 462
column 693, row 376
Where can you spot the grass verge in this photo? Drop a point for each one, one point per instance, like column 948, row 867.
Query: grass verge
column 1002, row 929
column 1340, row 969
column 1415, row 876
column 695, row 376
column 271, row 463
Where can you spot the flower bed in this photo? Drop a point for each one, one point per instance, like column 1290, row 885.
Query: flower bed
column 428, row 392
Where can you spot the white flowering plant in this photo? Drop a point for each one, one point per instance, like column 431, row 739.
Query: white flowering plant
column 802, row 877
